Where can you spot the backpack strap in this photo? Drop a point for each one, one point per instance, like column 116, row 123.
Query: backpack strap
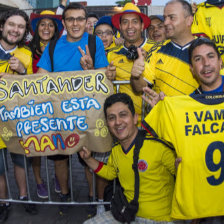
column 51, row 52
column 139, row 142
column 92, row 46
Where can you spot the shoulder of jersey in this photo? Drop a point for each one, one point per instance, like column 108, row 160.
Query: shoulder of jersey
column 115, row 144
column 149, row 137
column 26, row 49
column 114, row 49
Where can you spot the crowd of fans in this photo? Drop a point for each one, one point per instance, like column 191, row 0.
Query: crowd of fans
column 171, row 60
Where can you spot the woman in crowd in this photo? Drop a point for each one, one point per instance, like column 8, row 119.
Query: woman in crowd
column 46, row 27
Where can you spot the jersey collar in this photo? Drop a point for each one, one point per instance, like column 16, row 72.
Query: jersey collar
column 9, row 51
column 186, row 46
column 141, row 45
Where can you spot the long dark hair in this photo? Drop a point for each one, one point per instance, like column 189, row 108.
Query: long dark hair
column 35, row 42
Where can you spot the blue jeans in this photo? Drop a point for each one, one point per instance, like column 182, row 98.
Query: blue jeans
column 17, row 159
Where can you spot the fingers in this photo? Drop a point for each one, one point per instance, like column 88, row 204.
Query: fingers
column 140, row 55
column 162, row 95
column 151, row 97
column 111, row 66
column 16, row 65
column 82, row 52
column 148, row 90
column 111, row 71
column 87, row 51
column 177, row 162
column 86, row 59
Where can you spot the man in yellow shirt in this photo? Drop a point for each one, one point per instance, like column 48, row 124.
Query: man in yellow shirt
column 155, row 164
column 15, row 58
column 198, row 140
column 131, row 23
column 169, row 69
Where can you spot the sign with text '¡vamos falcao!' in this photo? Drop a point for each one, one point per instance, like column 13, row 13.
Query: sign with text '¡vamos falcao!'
column 55, row 113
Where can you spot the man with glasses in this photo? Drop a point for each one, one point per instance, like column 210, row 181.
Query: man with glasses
column 104, row 30
column 71, row 53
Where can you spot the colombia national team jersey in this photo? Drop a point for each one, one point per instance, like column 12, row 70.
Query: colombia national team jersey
column 123, row 71
column 208, row 21
column 195, row 127
column 156, row 181
column 169, row 70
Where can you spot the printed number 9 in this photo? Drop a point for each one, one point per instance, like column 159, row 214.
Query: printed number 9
column 213, row 166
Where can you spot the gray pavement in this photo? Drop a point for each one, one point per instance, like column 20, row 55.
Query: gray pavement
column 48, row 214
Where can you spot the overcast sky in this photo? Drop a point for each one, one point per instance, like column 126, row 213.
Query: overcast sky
column 112, row 2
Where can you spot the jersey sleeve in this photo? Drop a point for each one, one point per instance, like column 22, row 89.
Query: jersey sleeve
column 159, row 122
column 148, row 74
column 45, row 61
column 108, row 171
column 100, row 56
column 30, row 67
column 168, row 160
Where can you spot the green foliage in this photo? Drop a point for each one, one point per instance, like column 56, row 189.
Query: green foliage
column 122, row 3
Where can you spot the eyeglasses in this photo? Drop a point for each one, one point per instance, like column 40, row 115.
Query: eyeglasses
column 101, row 33
column 78, row 19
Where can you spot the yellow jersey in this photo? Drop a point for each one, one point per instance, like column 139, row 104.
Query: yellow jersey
column 208, row 21
column 25, row 56
column 194, row 125
column 169, row 70
column 123, row 71
column 156, row 176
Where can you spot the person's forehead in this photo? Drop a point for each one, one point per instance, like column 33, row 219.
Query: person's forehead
column 117, row 107
column 130, row 16
column 155, row 21
column 16, row 19
column 203, row 50
column 174, row 8
column 104, row 27
column 46, row 20
column 92, row 19
column 75, row 12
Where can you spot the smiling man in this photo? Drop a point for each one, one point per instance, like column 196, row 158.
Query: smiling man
column 205, row 64
column 131, row 23
column 155, row 165
column 169, row 67
column 156, row 30
column 15, row 59
column 191, row 125
column 71, row 51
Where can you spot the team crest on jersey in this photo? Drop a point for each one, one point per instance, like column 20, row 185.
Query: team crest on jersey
column 142, row 165
column 208, row 21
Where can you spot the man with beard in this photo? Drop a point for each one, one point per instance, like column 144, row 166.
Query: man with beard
column 15, row 58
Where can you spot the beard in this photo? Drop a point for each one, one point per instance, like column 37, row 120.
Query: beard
column 12, row 43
